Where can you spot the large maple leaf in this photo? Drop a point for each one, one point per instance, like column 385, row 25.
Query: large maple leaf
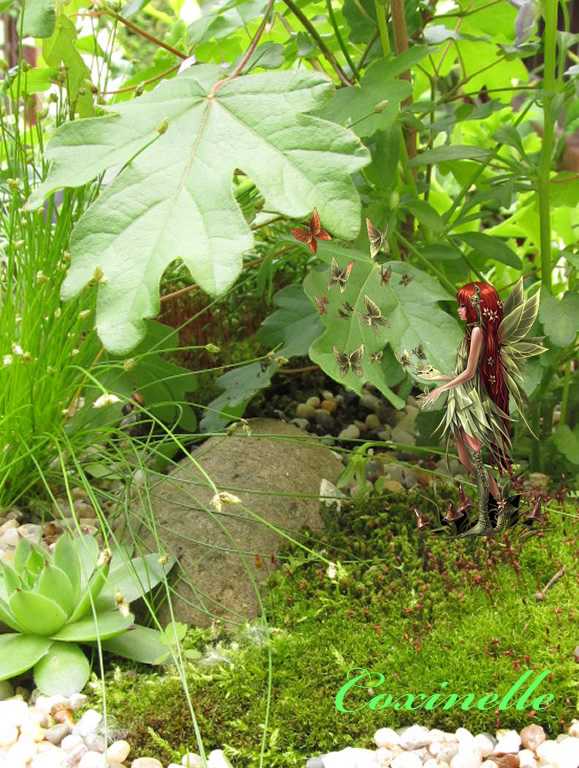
column 173, row 196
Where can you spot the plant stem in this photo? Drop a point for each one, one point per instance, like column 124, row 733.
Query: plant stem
column 565, row 399
column 550, row 36
column 382, row 16
column 340, row 40
column 146, row 35
column 441, row 277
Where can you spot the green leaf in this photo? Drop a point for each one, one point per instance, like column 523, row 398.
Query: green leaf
column 295, row 324
column 60, row 49
column 64, row 670
column 55, row 584
column 65, row 557
column 147, row 570
column 238, row 386
column 7, row 616
column 19, row 653
column 567, row 442
column 385, row 149
column 225, row 20
column 140, row 644
column 108, row 624
column 38, row 18
column 267, row 56
column 491, row 248
column 441, row 154
column 306, row 46
column 411, row 311
column 426, row 215
column 38, row 615
column 178, row 194
column 509, row 135
column 441, row 251
column 560, row 317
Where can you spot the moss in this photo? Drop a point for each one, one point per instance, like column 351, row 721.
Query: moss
column 413, row 607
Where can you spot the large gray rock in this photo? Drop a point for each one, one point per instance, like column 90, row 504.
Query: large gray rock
column 268, row 474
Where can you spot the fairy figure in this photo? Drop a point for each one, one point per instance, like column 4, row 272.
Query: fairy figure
column 477, row 410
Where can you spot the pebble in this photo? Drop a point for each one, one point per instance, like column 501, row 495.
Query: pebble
column 351, row 432
column 510, row 742
column 370, row 402
column 393, row 486
column 329, row 405
column 304, row 411
column 532, row 736
column 313, row 402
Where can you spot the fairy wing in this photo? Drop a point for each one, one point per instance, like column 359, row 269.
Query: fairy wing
column 356, row 360
column 342, row 360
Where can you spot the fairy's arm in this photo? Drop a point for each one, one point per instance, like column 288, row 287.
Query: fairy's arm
column 475, row 348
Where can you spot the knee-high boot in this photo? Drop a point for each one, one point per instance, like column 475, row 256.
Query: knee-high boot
column 483, row 526
column 506, row 509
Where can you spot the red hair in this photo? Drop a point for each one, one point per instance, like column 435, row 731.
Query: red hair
column 491, row 367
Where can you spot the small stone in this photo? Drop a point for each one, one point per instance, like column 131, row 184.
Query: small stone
column 24, row 750
column 301, row 423
column 95, row 742
column 304, row 411
column 71, row 742
column 384, row 756
column 393, row 486
column 7, row 526
column 484, row 745
column 74, row 756
column 192, row 760
column 573, row 730
column 526, row 757
column 315, row 762
column 93, row 759
column 119, row 751
column 532, row 736
column 87, row 723
column 31, row 532
column 56, row 734
column 324, row 419
column 217, row 759
column 361, row 426
column 410, row 480
column 329, row 405
column 45, row 760
column 508, row 743
column 13, row 712
column 148, row 762
column 407, row 760
column 466, row 757
column 32, row 729
column 78, row 494
column 402, row 436
column 506, row 761
column 568, row 753
column 351, row 432
column 434, row 763
column 373, row 422
column 327, row 395
column 8, row 734
column 386, row 737
column 385, row 433
column 77, row 700
column 444, row 752
column 370, row 402
column 10, row 538
column 416, row 736
column 47, row 704
column 313, row 402
column 489, row 764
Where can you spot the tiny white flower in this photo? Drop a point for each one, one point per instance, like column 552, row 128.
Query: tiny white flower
column 7, row 359
column 105, row 400
column 84, row 314
column 6, row 448
column 74, row 352
column 41, row 277
column 129, row 364
column 98, row 275
column 57, row 312
column 17, row 349
column 331, row 572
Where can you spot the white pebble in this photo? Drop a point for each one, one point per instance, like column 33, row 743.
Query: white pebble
column 87, row 723
column 414, row 737
column 8, row 734
column 92, row 759
column 47, row 760
column 573, row 730
column 23, row 750
column 568, row 753
column 13, row 712
column 345, row 758
column 547, row 752
column 46, row 703
column 434, row 763
column 146, row 762
column 70, row 742
column 466, row 758
column 464, row 736
column 407, row 760
column 483, row 744
column 192, row 760
column 77, row 700
column 526, row 757
column 384, row 756
column 118, row 751
column 386, row 737
column 508, row 743
column 489, row 764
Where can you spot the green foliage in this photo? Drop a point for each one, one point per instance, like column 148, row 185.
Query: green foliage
column 48, row 601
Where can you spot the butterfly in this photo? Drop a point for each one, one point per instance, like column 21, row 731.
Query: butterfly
column 339, row 277
column 385, row 276
column 353, row 361
column 348, row 307
column 376, row 356
column 419, row 352
column 376, row 238
column 313, row 234
column 424, row 368
column 343, row 314
column 405, row 360
column 374, row 317
column 322, row 304
column 405, row 279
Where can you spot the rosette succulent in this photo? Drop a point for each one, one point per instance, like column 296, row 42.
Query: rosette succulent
column 47, row 600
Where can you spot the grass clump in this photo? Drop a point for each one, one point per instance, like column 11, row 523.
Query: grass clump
column 419, row 610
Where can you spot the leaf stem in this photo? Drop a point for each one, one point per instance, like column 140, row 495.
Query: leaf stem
column 340, row 40
column 443, row 280
column 137, row 30
column 550, row 36
column 382, row 16
column 322, row 46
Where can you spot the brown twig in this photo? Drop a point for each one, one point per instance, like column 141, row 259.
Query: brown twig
column 540, row 596
column 145, row 82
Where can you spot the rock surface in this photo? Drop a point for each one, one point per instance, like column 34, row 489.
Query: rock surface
column 276, row 455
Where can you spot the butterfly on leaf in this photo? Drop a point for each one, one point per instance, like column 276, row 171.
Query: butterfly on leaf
column 322, row 304
column 376, row 238
column 376, row 356
column 339, row 277
column 405, row 279
column 313, row 234
column 348, row 307
column 374, row 317
column 385, row 276
column 419, row 352
column 424, row 368
column 405, row 360
column 353, row 361
column 343, row 314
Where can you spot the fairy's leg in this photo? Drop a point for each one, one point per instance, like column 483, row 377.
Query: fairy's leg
column 475, row 444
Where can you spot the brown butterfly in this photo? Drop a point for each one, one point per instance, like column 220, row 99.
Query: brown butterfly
column 339, row 277
column 405, row 279
column 313, row 234
column 419, row 352
column 376, row 237
column 343, row 314
column 404, row 360
column 353, row 361
column 385, row 276
column 374, row 317
column 377, row 356
column 348, row 307
column 322, row 304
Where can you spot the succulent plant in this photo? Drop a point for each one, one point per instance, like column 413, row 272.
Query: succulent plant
column 47, row 600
